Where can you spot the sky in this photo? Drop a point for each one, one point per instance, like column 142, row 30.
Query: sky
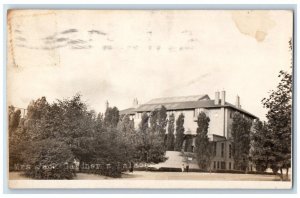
column 122, row 55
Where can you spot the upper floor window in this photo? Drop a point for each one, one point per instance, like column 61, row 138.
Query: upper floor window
column 230, row 151
column 222, row 150
column 215, row 149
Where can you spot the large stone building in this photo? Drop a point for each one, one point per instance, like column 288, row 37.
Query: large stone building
column 218, row 110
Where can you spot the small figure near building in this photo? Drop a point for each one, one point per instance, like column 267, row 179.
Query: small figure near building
column 131, row 167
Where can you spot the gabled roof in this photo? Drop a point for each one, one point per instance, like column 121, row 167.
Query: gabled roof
column 184, row 106
column 127, row 111
column 176, row 105
column 178, row 99
column 182, row 103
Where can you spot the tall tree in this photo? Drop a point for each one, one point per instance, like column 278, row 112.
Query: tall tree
column 279, row 118
column 99, row 123
column 143, row 145
column 261, row 145
column 16, row 138
column 14, row 119
column 203, row 146
column 150, row 146
column 179, row 136
column 241, row 141
column 170, row 136
column 158, row 123
column 162, row 122
column 36, row 109
column 128, row 136
column 111, row 117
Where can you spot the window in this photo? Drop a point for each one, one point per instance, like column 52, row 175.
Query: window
column 215, row 149
column 222, row 151
column 229, row 166
column 230, row 151
column 223, row 165
column 218, row 165
column 214, row 165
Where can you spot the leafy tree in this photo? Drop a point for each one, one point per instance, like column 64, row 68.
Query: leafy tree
column 49, row 159
column 17, row 146
column 150, row 146
column 279, row 118
column 158, row 121
column 99, row 123
column 143, row 138
column 24, row 131
column 111, row 117
column 179, row 132
column 14, row 119
column 241, row 141
column 37, row 108
column 153, row 120
column 261, row 145
column 203, row 146
column 162, row 122
column 171, row 137
column 67, row 121
column 128, row 136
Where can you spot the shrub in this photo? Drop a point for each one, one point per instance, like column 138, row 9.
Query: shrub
column 49, row 159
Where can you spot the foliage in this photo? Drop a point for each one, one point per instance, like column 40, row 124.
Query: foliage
column 111, row 117
column 150, row 147
column 241, row 141
column 89, row 138
column 162, row 122
column 17, row 145
column 279, row 105
column 37, row 108
column 128, row 137
column 179, row 132
column 13, row 119
column 49, row 159
column 67, row 126
column 203, row 146
column 158, row 122
column 261, row 145
column 170, row 136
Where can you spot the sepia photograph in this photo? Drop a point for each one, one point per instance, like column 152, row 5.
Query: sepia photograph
column 149, row 99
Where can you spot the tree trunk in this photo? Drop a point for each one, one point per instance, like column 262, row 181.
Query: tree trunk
column 281, row 175
column 287, row 174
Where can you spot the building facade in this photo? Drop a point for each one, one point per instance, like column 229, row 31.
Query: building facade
column 218, row 110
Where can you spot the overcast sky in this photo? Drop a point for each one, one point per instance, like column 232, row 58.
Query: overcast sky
column 120, row 55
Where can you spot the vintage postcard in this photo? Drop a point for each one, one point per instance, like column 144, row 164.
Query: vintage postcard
column 185, row 99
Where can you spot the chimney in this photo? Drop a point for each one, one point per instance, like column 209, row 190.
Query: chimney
column 135, row 103
column 217, row 97
column 106, row 104
column 237, row 102
column 223, row 98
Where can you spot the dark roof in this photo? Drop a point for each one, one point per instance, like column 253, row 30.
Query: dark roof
column 178, row 99
column 176, row 105
column 183, row 106
column 127, row 111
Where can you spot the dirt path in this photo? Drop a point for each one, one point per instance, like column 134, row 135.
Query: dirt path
column 144, row 175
